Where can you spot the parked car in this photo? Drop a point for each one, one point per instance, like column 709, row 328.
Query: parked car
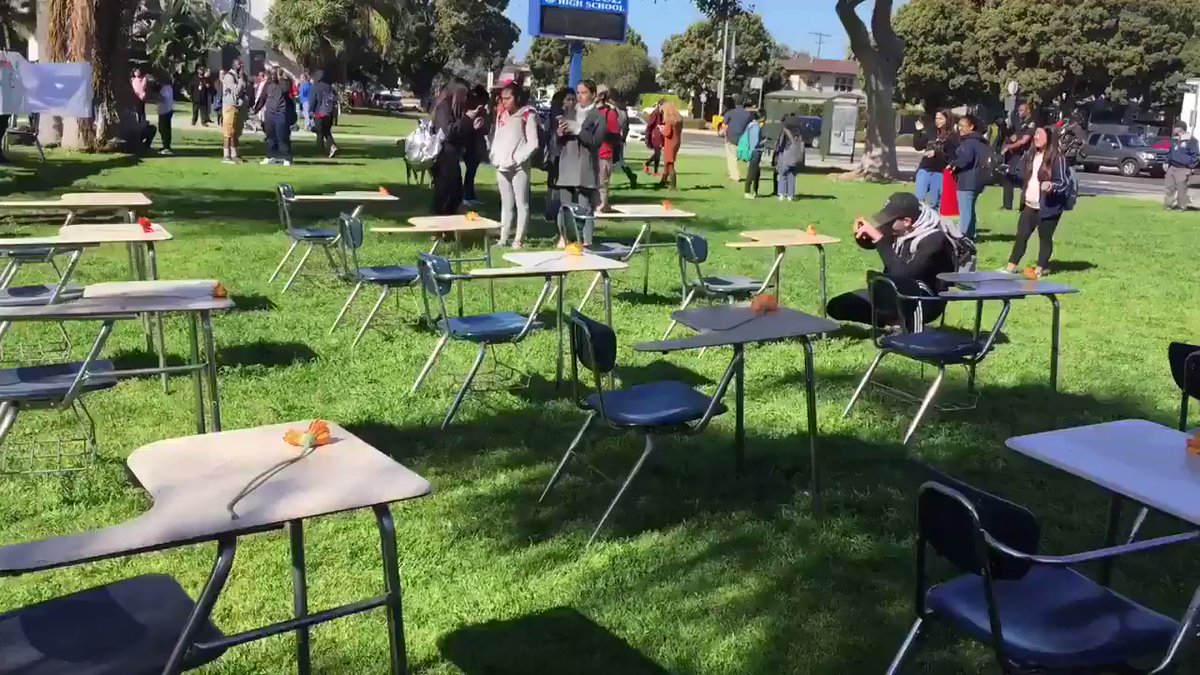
column 637, row 130
column 1128, row 153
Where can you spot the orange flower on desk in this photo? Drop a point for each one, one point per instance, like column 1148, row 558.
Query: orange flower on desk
column 147, row 226
column 812, row 229
column 219, row 291
column 472, row 216
column 1030, row 274
column 315, row 435
column 1193, row 444
column 383, row 190
column 761, row 304
column 573, row 249
column 667, row 204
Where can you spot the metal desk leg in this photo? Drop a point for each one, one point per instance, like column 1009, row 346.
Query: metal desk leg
column 458, row 254
column 810, row 394
column 160, row 336
column 560, row 320
column 739, row 394
column 300, row 596
column 646, row 267
column 824, row 290
column 1110, row 536
column 226, row 548
column 197, row 376
column 391, row 580
column 210, row 348
column 607, row 313
column 1055, row 336
column 779, row 251
column 978, row 327
column 487, row 256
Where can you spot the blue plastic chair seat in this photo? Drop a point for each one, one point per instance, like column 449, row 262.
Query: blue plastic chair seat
column 1055, row 617
column 125, row 628
column 25, row 254
column 52, row 382
column 389, row 275
column 23, row 296
column 656, row 404
column 933, row 345
column 731, row 285
column 611, row 250
column 314, row 234
column 498, row 327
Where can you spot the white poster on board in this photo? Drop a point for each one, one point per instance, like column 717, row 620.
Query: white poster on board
column 63, row 89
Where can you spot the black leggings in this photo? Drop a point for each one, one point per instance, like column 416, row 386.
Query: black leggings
column 1029, row 221
column 655, row 157
column 754, row 173
column 855, row 307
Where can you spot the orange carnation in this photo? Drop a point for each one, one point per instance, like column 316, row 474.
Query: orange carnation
column 315, row 435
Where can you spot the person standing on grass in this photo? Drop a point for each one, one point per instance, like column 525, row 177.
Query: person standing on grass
column 736, row 119
column 322, row 101
column 619, row 143
column 755, row 142
column 580, row 133
column 1014, row 151
column 235, row 96
column 201, row 94
column 1182, row 161
column 968, row 165
column 789, row 156
column 277, row 108
column 216, row 95
column 302, row 93
column 938, row 145
column 654, row 139
column 514, row 141
column 672, row 131
column 607, row 152
column 1043, row 173
column 458, row 123
column 477, row 149
column 138, row 82
column 166, row 110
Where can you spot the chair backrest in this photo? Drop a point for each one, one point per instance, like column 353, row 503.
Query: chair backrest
column 886, row 293
column 1185, row 367
column 432, row 270
column 693, row 250
column 351, row 239
column 953, row 516
column 594, row 346
column 284, row 194
column 572, row 222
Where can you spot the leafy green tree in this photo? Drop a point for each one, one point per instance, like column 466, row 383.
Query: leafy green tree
column 549, row 58
column 178, row 35
column 625, row 68
column 17, row 23
column 691, row 63
column 431, row 33
column 940, row 64
column 325, row 34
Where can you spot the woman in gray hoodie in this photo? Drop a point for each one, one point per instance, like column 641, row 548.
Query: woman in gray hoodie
column 514, row 140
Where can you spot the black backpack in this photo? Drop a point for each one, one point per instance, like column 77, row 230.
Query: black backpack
column 540, row 159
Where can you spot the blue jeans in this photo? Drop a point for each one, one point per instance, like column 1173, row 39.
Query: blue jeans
column 279, row 136
column 786, row 180
column 966, row 209
column 929, row 187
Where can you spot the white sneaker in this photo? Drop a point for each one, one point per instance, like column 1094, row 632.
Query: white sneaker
column 267, row 160
column 749, row 196
column 782, row 198
column 791, row 198
column 333, row 152
column 285, row 162
column 228, row 160
column 166, row 151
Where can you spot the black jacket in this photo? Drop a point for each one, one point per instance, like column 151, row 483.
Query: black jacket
column 943, row 149
column 1053, row 202
column 973, row 152
column 932, row 256
column 276, row 98
column 457, row 133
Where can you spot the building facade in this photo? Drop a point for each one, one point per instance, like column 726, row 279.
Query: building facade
column 822, row 76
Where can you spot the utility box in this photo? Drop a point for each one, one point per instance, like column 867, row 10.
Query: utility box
column 839, row 124
column 1190, row 113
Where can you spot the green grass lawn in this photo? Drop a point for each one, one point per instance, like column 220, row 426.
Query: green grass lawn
column 700, row 570
column 367, row 122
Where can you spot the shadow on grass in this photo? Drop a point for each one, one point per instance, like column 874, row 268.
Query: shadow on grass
column 1071, row 266
column 253, row 303
column 558, row 640
column 56, row 175
column 266, row 354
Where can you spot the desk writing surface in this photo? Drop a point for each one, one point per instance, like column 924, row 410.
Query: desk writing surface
column 782, row 238
column 348, row 197
column 91, row 235
column 1144, row 461
column 725, row 325
column 998, row 290
column 191, row 481
column 114, row 306
column 457, row 223
column 644, row 211
column 105, row 199
column 563, row 261
column 178, row 288
column 978, row 277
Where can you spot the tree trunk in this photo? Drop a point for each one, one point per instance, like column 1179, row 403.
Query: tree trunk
column 879, row 159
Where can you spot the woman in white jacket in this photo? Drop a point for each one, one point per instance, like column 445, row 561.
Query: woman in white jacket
column 514, row 141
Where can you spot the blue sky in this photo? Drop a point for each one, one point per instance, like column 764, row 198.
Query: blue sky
column 790, row 21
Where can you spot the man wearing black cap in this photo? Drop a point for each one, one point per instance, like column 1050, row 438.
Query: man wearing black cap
column 913, row 243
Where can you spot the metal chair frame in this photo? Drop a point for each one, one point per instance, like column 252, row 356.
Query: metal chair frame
column 436, row 279
column 571, row 214
column 926, row 295
column 284, row 193
column 583, row 349
column 690, row 290
column 30, row 132
column 992, row 558
column 350, row 238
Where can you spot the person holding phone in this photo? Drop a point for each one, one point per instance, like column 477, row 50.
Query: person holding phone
column 581, row 131
column 458, row 126
column 1043, row 174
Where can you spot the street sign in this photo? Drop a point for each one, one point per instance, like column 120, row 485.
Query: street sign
column 591, row 20
column 756, row 83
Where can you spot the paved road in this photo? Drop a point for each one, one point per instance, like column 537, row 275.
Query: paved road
column 1107, row 182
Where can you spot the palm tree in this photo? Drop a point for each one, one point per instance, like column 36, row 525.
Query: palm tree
column 17, row 23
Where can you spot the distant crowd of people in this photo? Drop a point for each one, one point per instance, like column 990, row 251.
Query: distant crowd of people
column 745, row 141
column 580, row 144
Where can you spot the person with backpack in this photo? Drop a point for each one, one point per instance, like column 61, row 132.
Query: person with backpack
column 654, row 139
column 546, row 157
column 513, row 143
column 278, row 111
column 302, row 92
column 751, row 150
column 1182, row 161
column 736, row 119
column 580, row 132
column 789, row 157
column 475, row 151
column 1044, row 175
column 971, row 168
column 322, row 101
column 235, row 98
column 610, row 149
column 914, row 243
column 938, row 145
column 457, row 123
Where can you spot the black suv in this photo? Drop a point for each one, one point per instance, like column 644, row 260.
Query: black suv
column 1128, row 153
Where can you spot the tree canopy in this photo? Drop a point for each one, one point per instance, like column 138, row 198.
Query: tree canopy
column 549, row 58
column 940, row 56
column 691, row 63
column 625, row 68
column 178, row 35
